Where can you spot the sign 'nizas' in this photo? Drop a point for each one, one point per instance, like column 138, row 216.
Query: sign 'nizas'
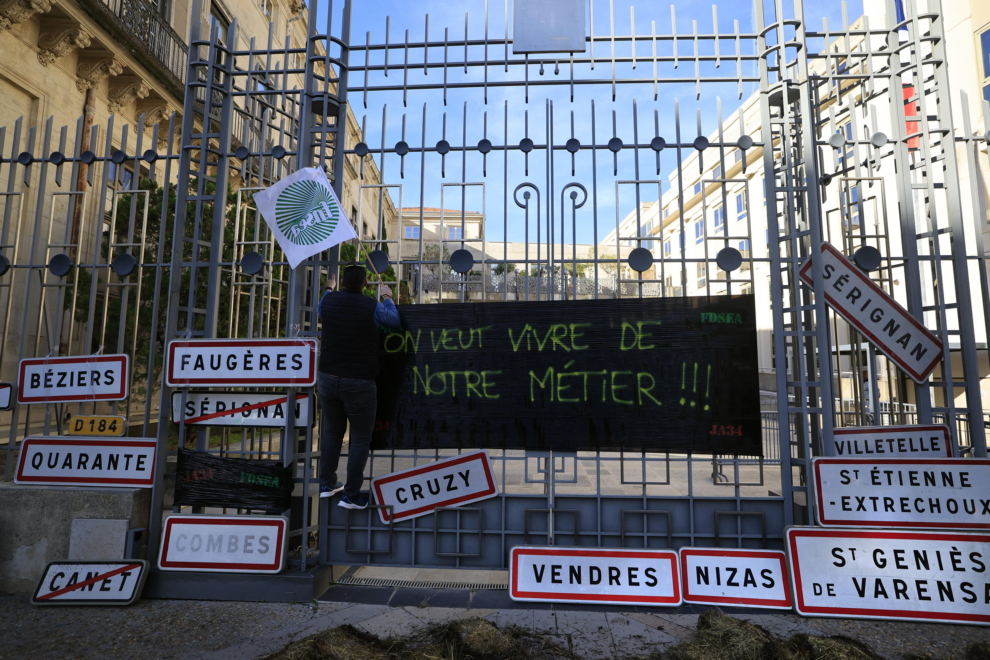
column 743, row 578
column 242, row 362
column 870, row 310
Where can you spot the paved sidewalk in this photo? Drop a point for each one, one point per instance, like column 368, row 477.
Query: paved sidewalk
column 214, row 630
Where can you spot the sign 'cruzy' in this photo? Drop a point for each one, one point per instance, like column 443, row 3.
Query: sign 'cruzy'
column 877, row 574
column 914, row 441
column 242, row 362
column 226, row 544
column 91, row 582
column 83, row 378
column 948, row 493
column 744, row 578
column 591, row 575
column 239, row 409
column 55, row 461
column 418, row 491
column 878, row 316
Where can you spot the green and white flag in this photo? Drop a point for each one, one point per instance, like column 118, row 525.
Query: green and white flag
column 304, row 214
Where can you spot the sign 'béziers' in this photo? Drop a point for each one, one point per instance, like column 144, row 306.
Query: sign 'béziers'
column 244, row 362
column 65, row 379
column 866, row 306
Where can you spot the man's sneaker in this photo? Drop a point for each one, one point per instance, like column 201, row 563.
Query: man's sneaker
column 330, row 491
column 359, row 501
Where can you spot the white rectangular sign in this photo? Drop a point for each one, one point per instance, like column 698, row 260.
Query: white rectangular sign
column 91, row 582
column 77, row 461
column 6, row 396
column 879, row 574
column 83, row 378
column 240, row 409
column 946, row 493
column 418, row 491
column 743, row 578
column 594, row 576
column 913, row 441
column 870, row 310
column 223, row 544
column 242, row 362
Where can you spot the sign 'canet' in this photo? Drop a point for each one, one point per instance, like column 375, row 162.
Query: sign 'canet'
column 304, row 214
column 890, row 327
column 91, row 582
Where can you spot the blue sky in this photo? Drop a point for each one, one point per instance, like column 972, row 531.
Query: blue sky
column 466, row 118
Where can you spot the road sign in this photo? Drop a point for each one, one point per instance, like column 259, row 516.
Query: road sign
column 947, row 493
column 82, row 378
column 916, row 441
column 744, row 578
column 240, row 409
column 594, row 576
column 870, row 310
column 418, row 491
column 58, row 461
column 91, row 582
column 111, row 425
column 223, row 544
column 242, row 362
column 879, row 574
column 6, row 396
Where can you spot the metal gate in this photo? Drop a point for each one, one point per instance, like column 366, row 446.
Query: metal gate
column 551, row 170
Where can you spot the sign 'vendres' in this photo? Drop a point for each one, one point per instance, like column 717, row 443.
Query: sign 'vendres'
column 870, row 310
column 658, row 374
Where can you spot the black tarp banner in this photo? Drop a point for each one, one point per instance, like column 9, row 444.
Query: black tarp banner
column 203, row 479
column 657, row 374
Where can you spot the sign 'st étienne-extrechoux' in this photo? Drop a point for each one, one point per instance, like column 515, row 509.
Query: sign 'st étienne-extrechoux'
column 889, row 326
column 241, row 362
column 657, row 374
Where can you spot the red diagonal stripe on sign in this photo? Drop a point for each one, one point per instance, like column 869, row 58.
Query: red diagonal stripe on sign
column 86, row 583
column 234, row 411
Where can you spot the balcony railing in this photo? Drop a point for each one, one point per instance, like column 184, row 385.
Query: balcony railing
column 152, row 33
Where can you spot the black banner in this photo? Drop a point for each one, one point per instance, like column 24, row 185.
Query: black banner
column 202, row 479
column 658, row 374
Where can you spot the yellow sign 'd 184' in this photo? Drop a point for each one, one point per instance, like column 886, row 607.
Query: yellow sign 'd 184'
column 97, row 425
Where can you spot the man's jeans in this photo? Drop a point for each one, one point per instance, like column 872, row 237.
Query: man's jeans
column 343, row 400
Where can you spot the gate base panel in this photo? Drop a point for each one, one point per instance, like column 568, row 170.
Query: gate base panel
column 285, row 587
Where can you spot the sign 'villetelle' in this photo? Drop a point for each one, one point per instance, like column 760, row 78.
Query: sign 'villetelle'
column 420, row 490
column 870, row 310
column 947, row 493
column 880, row 574
column 594, row 576
column 241, row 363
column 912, row 441
column 70, row 379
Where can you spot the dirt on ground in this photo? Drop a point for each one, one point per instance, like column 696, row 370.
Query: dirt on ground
column 719, row 637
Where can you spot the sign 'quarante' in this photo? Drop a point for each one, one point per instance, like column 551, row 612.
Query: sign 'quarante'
column 659, row 374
